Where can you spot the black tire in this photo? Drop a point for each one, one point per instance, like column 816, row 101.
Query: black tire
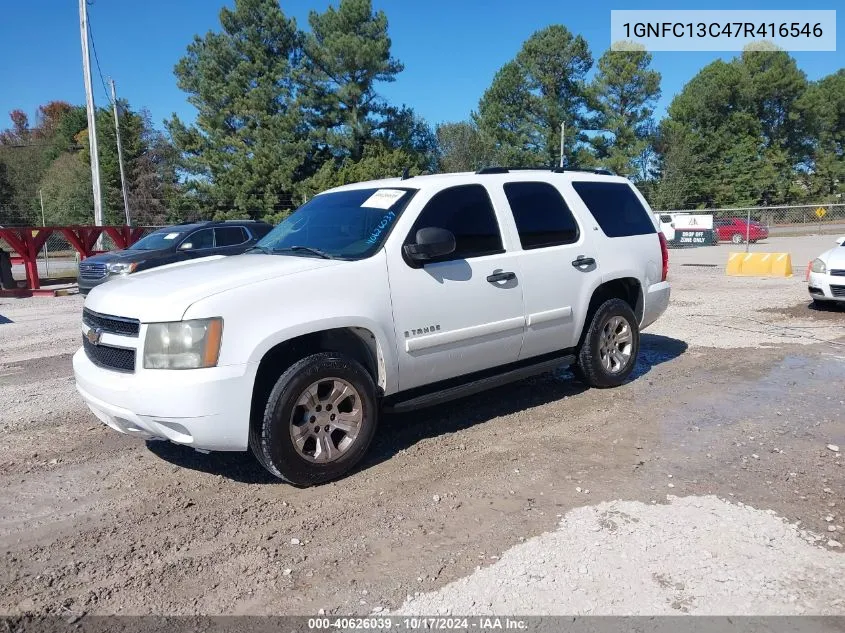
column 589, row 367
column 270, row 440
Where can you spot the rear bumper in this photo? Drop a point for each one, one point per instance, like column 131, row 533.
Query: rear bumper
column 655, row 302
column 207, row 409
column 826, row 287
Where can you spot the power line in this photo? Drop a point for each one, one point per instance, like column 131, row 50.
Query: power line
column 96, row 57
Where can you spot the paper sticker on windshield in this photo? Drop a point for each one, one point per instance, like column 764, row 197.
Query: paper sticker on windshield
column 171, row 236
column 383, row 198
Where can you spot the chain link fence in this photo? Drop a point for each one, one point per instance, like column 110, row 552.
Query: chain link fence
column 746, row 226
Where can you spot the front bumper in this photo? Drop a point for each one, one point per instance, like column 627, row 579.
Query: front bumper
column 824, row 287
column 208, row 409
column 87, row 285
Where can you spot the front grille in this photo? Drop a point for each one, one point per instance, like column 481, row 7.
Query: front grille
column 838, row 272
column 116, row 358
column 837, row 291
column 92, row 270
column 111, row 324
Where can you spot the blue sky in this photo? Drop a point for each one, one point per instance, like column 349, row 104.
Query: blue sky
column 451, row 48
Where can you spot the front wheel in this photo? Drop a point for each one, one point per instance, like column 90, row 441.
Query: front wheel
column 319, row 420
column 609, row 349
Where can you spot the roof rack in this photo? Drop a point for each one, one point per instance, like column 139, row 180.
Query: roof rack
column 593, row 170
column 557, row 170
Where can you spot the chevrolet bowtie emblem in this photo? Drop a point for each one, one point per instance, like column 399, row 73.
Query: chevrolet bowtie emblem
column 94, row 335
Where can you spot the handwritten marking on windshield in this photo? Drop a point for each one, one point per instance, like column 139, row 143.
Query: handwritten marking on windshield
column 385, row 222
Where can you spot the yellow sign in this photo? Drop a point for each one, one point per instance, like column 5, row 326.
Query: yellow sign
column 821, row 212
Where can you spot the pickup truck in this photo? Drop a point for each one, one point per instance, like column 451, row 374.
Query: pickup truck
column 376, row 296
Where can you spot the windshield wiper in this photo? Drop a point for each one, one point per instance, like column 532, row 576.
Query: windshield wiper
column 263, row 249
column 306, row 249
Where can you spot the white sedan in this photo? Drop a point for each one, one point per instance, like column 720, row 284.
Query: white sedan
column 826, row 281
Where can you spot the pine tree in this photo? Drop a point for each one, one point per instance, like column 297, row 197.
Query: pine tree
column 248, row 145
column 347, row 53
column 544, row 86
column 625, row 90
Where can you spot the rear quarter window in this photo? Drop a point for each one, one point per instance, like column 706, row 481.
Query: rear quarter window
column 615, row 207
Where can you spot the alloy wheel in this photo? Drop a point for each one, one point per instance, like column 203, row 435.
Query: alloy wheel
column 326, row 420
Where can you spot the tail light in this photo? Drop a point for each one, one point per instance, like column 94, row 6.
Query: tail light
column 664, row 252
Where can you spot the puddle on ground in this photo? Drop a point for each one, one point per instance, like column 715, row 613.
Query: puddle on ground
column 800, row 391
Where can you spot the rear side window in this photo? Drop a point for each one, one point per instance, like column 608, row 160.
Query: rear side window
column 541, row 215
column 615, row 207
column 229, row 236
column 466, row 211
column 200, row 239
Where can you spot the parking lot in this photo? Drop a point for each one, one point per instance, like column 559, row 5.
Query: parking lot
column 712, row 482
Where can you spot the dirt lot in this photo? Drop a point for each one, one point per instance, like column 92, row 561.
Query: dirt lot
column 738, row 395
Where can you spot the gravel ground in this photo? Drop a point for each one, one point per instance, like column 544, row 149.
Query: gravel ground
column 698, row 555
column 737, row 395
column 711, row 310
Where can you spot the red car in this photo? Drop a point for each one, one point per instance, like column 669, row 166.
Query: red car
column 737, row 229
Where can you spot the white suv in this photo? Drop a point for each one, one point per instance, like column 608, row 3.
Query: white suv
column 391, row 294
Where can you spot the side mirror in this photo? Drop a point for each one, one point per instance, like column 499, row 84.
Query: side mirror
column 185, row 246
column 431, row 244
column 840, row 241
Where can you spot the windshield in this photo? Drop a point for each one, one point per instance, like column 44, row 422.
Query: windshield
column 157, row 241
column 343, row 225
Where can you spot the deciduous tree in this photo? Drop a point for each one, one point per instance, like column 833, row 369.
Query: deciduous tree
column 462, row 147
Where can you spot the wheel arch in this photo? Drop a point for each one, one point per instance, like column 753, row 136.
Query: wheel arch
column 629, row 289
column 357, row 342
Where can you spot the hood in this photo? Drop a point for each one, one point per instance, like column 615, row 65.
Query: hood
column 834, row 258
column 164, row 293
column 122, row 256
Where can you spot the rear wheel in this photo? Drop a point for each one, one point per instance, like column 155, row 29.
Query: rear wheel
column 736, row 238
column 608, row 353
column 319, row 420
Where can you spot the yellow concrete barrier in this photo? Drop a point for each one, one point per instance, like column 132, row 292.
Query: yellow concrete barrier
column 759, row 265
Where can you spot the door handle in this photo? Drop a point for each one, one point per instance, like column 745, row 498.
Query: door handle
column 583, row 261
column 503, row 276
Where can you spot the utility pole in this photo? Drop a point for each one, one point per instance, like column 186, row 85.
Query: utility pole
column 562, row 132
column 120, row 154
column 44, row 223
column 92, row 123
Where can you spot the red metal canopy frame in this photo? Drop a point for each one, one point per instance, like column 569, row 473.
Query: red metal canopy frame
column 28, row 241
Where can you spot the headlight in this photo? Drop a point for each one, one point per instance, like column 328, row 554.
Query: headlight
column 118, row 268
column 818, row 266
column 183, row 344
